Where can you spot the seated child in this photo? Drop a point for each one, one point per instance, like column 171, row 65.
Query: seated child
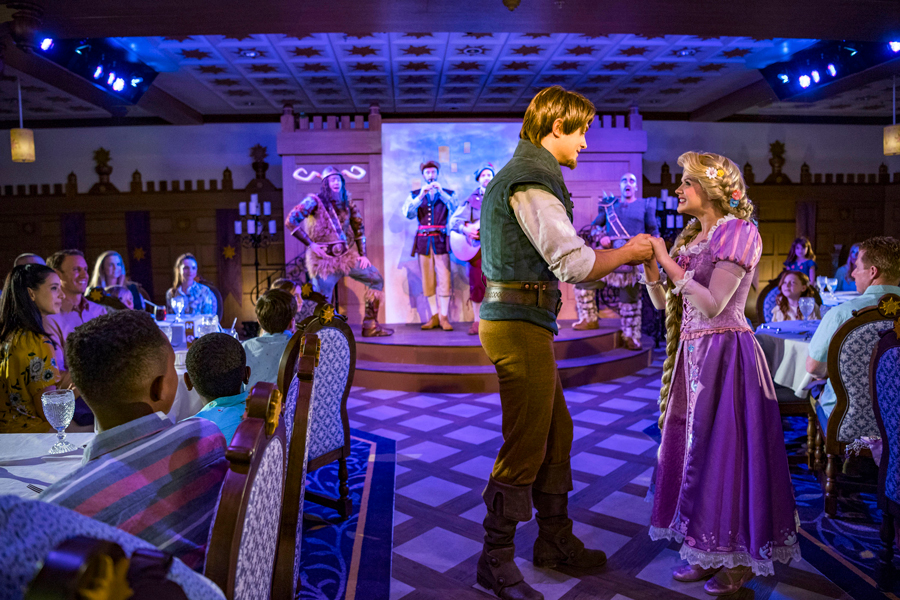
column 123, row 294
column 141, row 473
column 275, row 311
column 793, row 286
column 217, row 368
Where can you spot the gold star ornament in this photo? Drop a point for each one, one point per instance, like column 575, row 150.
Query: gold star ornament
column 96, row 295
column 139, row 254
column 890, row 306
column 228, row 252
column 306, row 290
column 327, row 313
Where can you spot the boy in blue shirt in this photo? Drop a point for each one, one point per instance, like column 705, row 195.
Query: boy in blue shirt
column 275, row 311
column 217, row 368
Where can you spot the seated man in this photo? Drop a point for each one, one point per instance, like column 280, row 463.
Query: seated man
column 217, row 368
column 877, row 273
column 275, row 312
column 141, row 473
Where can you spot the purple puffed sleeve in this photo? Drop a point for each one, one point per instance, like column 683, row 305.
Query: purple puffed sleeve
column 737, row 241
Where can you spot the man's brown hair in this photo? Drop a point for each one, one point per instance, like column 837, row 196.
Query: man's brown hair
column 55, row 260
column 554, row 103
column 883, row 252
column 275, row 309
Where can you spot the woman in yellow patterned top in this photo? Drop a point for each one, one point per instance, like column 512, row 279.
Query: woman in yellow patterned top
column 27, row 366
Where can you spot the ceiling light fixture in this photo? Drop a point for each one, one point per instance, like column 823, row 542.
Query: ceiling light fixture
column 21, row 139
column 685, row 52
column 249, row 53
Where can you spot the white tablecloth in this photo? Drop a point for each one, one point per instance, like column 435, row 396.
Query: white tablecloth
column 786, row 346
column 838, row 298
column 24, row 460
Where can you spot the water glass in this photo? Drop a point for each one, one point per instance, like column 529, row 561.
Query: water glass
column 59, row 408
column 831, row 284
column 807, row 307
column 207, row 324
column 166, row 329
column 178, row 305
column 821, row 282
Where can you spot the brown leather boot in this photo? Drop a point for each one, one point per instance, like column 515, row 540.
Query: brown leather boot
column 433, row 323
column 556, row 544
column 370, row 327
column 497, row 570
column 445, row 323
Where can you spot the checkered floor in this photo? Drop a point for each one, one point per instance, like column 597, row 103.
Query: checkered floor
column 446, row 445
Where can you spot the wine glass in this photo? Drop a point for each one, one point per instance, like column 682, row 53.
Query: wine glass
column 807, row 307
column 821, row 281
column 831, row 285
column 178, row 305
column 59, row 408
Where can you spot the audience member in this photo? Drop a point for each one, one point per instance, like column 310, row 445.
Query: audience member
column 198, row 298
column 793, row 286
column 141, row 473
column 109, row 270
column 844, row 273
column 123, row 294
column 802, row 258
column 275, row 310
column 293, row 288
column 877, row 272
column 217, row 369
column 28, row 259
column 27, row 363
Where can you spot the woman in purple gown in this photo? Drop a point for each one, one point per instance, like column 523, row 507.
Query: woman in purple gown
column 722, row 483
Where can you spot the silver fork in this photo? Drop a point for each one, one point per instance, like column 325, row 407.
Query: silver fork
column 34, row 488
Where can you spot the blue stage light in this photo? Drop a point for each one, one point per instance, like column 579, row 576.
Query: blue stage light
column 805, row 81
column 832, row 70
column 784, row 78
column 119, row 85
column 815, row 76
column 110, row 79
column 895, row 46
column 136, row 81
column 98, row 72
column 46, row 44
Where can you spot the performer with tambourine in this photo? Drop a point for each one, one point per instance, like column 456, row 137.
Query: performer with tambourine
column 618, row 220
column 465, row 239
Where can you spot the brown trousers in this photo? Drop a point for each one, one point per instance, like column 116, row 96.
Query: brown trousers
column 537, row 427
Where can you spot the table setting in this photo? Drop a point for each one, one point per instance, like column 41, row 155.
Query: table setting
column 785, row 345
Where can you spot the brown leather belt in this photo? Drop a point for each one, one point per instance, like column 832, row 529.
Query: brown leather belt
column 542, row 294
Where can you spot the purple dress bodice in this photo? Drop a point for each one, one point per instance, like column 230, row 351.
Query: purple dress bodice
column 732, row 240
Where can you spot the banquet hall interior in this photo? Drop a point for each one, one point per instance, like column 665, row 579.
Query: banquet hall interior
column 328, row 433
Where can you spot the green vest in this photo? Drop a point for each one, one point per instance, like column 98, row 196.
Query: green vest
column 506, row 252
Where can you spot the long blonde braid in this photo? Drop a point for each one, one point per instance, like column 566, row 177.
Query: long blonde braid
column 720, row 192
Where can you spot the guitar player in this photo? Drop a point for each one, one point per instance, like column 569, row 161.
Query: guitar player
column 467, row 220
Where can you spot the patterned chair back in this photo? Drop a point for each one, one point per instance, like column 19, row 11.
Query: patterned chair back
column 296, row 411
column 311, row 302
column 884, row 372
column 849, row 355
column 32, row 529
column 242, row 544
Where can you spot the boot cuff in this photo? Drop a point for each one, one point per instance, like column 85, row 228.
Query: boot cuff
column 510, row 501
column 554, row 478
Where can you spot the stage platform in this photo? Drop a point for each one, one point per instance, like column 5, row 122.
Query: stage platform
column 451, row 362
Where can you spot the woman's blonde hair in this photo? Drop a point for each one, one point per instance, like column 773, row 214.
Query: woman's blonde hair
column 98, row 279
column 179, row 279
column 550, row 104
column 722, row 181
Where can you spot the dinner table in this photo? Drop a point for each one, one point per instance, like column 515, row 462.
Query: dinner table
column 187, row 402
column 25, row 460
column 785, row 345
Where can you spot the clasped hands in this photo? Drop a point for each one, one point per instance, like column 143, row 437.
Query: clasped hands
column 645, row 249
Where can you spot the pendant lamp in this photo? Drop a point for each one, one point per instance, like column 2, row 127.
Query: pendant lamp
column 892, row 132
column 21, row 139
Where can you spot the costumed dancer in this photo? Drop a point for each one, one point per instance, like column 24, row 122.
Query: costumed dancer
column 722, row 481
column 332, row 228
column 465, row 227
column 432, row 205
column 528, row 245
column 617, row 220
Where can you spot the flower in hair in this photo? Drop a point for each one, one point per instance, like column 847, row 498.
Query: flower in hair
column 735, row 198
column 715, row 172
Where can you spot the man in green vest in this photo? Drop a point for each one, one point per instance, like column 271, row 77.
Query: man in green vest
column 528, row 245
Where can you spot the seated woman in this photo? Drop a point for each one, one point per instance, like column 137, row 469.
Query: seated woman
column 802, row 258
column 844, row 274
column 109, row 270
column 793, row 286
column 27, row 365
column 198, row 298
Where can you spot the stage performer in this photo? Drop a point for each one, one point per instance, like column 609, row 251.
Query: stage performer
column 467, row 221
column 619, row 217
column 432, row 205
column 528, row 245
column 332, row 228
column 722, row 481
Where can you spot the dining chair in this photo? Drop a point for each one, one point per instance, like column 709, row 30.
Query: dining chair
column 243, row 539
column 312, row 300
column 884, row 373
column 33, row 530
column 853, row 416
column 299, row 363
column 765, row 301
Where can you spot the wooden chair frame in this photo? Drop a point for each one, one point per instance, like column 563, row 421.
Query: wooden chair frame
column 73, row 564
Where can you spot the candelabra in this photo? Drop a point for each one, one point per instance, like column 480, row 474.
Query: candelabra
column 255, row 237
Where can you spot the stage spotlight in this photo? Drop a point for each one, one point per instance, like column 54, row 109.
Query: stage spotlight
column 815, row 76
column 784, row 78
column 135, row 81
column 110, row 79
column 98, row 72
column 805, row 81
column 46, row 44
column 895, row 46
column 832, row 70
column 119, row 84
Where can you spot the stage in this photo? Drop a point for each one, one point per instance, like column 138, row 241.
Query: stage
column 453, row 362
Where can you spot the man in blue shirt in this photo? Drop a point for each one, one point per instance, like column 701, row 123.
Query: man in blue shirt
column 275, row 311
column 877, row 273
column 217, row 368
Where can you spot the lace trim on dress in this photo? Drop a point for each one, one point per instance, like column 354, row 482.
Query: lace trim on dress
column 652, row 284
column 729, row 560
column 679, row 285
column 698, row 248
